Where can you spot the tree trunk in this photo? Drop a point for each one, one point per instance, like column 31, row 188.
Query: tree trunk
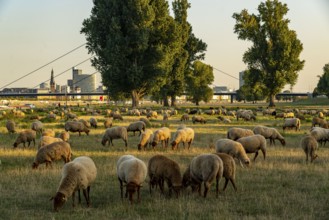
column 135, row 99
column 165, row 102
column 272, row 98
column 197, row 103
column 173, row 101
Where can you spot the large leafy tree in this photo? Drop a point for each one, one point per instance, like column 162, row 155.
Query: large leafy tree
column 252, row 88
column 323, row 84
column 132, row 41
column 273, row 57
column 198, row 81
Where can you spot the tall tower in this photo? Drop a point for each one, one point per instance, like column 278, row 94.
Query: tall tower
column 52, row 82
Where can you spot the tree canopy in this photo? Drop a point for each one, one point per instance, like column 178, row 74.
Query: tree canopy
column 323, row 83
column 273, row 59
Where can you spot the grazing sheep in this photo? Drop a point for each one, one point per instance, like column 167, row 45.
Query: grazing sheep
column 77, row 174
column 10, row 125
column 229, row 169
column 52, row 152
column 204, row 168
column 233, row 148
column 115, row 133
column 108, row 123
column 162, row 134
column 309, row 145
column 185, row 135
column 117, row 116
column 71, row 116
column 131, row 171
column 136, row 126
column 37, row 126
column 289, row 115
column 145, row 139
column 236, row 133
column 64, row 135
column 252, row 144
column 320, row 134
column 291, row 123
column 146, row 121
column 199, row 119
column 76, row 126
column 269, row 133
column 48, row 132
column 247, row 115
column 161, row 169
column 25, row 136
column 184, row 118
column 209, row 111
column 152, row 114
column 93, row 122
column 165, row 117
column 319, row 121
column 45, row 140
column 85, row 123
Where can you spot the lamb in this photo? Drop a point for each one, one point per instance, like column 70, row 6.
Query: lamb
column 233, row 148
column 319, row 121
column 252, row 144
column 204, row 168
column 108, row 123
column 229, row 169
column 52, row 152
column 10, row 125
column 37, row 126
column 145, row 139
column 48, row 132
column 162, row 134
column 160, row 169
column 291, row 123
column 64, row 135
column 131, row 171
column 269, row 133
column 25, row 136
column 115, row 133
column 309, row 145
column 184, row 117
column 77, row 174
column 199, row 119
column 236, row 133
column 136, row 126
column 185, row 135
column 93, row 122
column 45, row 140
column 76, row 126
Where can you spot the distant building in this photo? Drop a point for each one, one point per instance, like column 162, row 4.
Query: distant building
column 221, row 89
column 86, row 83
column 241, row 80
column 52, row 82
column 44, row 85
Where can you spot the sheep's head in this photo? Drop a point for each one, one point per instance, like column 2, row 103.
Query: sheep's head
column 87, row 131
column 35, row 165
column 131, row 188
column 104, row 140
column 59, row 201
column 177, row 190
column 247, row 162
column 173, row 145
column 283, row 142
column 139, row 146
column 15, row 145
column 154, row 143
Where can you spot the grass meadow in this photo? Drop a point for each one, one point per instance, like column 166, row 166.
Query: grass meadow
column 283, row 186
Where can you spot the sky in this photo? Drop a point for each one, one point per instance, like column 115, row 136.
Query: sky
column 34, row 33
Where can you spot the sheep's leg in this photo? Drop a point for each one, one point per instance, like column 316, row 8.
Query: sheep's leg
column 73, row 199
column 256, row 154
column 121, row 188
column 138, row 194
column 85, row 194
column 233, row 183
column 225, row 185
column 206, row 188
column 79, row 195
column 79, row 133
column 217, row 185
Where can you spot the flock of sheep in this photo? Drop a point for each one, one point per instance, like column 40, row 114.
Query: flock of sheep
column 81, row 172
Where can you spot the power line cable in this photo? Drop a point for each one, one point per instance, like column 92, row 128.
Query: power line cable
column 65, row 71
column 43, row 66
column 226, row 73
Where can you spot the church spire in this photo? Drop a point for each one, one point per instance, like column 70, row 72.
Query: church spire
column 52, row 82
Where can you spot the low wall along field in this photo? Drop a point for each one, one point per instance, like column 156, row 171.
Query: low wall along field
column 284, row 186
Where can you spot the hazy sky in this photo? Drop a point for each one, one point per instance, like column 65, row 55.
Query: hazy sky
column 35, row 32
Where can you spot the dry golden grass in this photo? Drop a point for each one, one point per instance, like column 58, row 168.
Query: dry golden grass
column 283, row 186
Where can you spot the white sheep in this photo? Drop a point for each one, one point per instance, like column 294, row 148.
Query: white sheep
column 236, row 133
column 115, row 133
column 85, row 122
column 292, row 123
column 162, row 134
column 161, row 169
column 52, row 152
column 10, row 125
column 184, row 117
column 136, row 126
column 269, row 133
column 108, row 123
column 233, row 148
column 309, row 145
column 254, row 143
column 204, row 168
column 48, row 132
column 93, row 122
column 64, row 135
column 199, row 119
column 146, row 121
column 131, row 171
column 320, row 134
column 117, row 116
column 76, row 126
column 319, row 121
column 77, row 174
column 45, row 140
column 145, row 139
column 25, row 136
column 37, row 126
column 229, row 169
column 185, row 135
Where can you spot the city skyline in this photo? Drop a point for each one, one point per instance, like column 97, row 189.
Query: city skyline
column 29, row 42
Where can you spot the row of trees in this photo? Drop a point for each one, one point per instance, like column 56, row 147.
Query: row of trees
column 323, row 84
column 141, row 49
